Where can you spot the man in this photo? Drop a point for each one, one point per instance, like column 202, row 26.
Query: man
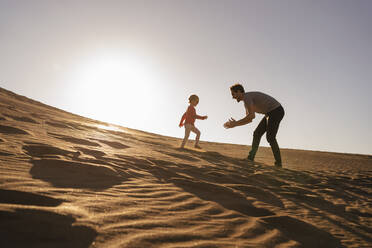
column 258, row 102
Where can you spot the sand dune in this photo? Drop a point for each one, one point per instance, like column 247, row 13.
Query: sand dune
column 69, row 181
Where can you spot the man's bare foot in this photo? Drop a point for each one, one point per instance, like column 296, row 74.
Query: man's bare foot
column 197, row 146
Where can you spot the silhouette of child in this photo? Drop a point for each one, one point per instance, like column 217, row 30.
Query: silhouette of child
column 189, row 118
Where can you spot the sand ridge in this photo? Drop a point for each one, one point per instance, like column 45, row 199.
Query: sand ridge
column 77, row 182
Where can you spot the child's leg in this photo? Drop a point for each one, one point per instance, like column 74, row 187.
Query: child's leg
column 197, row 132
column 187, row 133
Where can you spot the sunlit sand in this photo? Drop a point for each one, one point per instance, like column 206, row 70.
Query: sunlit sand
column 68, row 181
column 109, row 127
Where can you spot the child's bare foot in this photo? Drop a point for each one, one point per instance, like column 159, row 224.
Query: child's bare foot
column 197, row 146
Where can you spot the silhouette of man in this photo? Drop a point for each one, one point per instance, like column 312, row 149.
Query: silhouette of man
column 258, row 102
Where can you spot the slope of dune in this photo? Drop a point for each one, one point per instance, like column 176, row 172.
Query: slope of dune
column 69, row 181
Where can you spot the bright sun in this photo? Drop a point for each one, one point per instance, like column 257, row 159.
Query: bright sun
column 118, row 83
column 113, row 74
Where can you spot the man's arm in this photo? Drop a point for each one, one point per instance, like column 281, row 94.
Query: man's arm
column 244, row 120
column 247, row 119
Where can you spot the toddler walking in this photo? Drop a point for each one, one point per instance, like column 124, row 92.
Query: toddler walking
column 189, row 118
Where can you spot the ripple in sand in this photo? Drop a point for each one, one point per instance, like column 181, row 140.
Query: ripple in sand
column 113, row 144
column 224, row 196
column 74, row 140
column 11, row 130
column 22, row 118
column 57, row 124
column 94, row 153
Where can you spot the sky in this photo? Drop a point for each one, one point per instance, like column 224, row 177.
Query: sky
column 135, row 63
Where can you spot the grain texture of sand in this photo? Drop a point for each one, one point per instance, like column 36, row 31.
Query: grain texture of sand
column 69, row 181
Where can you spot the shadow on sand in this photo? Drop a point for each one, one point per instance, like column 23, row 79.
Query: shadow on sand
column 255, row 180
column 39, row 228
column 53, row 230
column 69, row 174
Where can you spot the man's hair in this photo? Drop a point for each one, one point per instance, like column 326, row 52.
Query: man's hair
column 237, row 87
column 193, row 97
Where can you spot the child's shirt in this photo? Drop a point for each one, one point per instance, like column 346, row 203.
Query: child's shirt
column 189, row 116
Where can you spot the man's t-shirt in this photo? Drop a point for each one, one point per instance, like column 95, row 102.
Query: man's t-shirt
column 260, row 102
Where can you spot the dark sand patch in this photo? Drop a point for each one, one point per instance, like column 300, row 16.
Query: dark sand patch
column 5, row 153
column 11, row 130
column 42, row 150
column 26, row 198
column 38, row 228
column 68, row 174
column 305, row 234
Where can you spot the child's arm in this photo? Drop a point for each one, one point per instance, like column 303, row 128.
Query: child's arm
column 182, row 120
column 201, row 117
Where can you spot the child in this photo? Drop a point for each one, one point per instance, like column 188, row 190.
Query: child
column 189, row 117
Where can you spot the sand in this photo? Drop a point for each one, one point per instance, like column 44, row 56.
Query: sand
column 70, row 181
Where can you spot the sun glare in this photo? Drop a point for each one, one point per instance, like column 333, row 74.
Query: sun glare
column 120, row 84
column 113, row 74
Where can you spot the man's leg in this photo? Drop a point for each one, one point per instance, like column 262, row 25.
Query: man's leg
column 257, row 134
column 276, row 152
column 272, row 129
column 187, row 133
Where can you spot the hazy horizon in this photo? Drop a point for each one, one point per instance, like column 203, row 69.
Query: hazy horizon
column 134, row 64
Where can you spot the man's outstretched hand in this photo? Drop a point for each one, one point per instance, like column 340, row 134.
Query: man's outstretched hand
column 230, row 123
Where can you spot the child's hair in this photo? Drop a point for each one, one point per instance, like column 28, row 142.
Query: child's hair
column 237, row 87
column 193, row 97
